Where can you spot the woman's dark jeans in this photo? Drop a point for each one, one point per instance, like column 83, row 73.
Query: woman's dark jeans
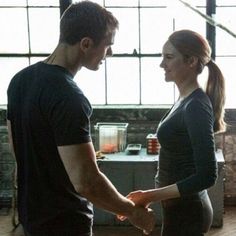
column 190, row 216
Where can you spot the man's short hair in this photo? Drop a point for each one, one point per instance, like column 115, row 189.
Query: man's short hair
column 86, row 19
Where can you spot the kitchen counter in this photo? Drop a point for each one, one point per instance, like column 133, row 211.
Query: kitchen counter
column 142, row 156
column 133, row 172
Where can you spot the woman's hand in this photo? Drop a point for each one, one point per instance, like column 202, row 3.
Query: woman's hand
column 139, row 198
column 145, row 197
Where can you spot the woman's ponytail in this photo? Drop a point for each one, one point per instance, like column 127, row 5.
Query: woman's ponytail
column 215, row 89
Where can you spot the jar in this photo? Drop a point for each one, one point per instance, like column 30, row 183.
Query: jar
column 153, row 145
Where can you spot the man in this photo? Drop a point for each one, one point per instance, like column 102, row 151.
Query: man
column 48, row 120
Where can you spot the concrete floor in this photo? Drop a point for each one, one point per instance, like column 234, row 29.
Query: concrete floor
column 228, row 229
column 5, row 230
column 121, row 231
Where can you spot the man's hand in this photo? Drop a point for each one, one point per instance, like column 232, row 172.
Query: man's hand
column 139, row 197
column 143, row 218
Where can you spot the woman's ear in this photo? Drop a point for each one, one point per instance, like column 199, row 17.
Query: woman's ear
column 193, row 61
column 86, row 44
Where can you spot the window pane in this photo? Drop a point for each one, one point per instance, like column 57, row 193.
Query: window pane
column 12, row 2
column 226, row 17
column 43, row 3
column 123, row 81
column 14, row 36
column 125, row 41
column 226, row 65
column 196, row 2
column 185, row 18
column 121, row 3
column 9, row 67
column 170, row 2
column 44, row 29
column 33, row 60
column 154, row 2
column 153, row 32
column 155, row 90
column 92, row 83
column 100, row 2
column 202, row 78
column 225, row 3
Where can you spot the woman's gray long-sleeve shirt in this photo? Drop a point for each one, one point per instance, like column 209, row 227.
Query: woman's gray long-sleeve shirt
column 187, row 155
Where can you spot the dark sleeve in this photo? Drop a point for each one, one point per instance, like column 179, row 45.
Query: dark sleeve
column 70, row 120
column 9, row 101
column 8, row 115
column 198, row 118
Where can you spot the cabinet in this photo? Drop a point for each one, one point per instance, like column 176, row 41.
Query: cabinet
column 134, row 172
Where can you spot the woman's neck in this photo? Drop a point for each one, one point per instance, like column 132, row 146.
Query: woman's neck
column 187, row 87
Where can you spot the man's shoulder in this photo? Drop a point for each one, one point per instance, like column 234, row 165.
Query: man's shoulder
column 29, row 68
column 25, row 72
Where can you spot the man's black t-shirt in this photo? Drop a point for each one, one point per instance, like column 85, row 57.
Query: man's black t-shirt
column 47, row 109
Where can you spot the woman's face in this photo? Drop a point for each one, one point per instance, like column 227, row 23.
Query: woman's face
column 176, row 69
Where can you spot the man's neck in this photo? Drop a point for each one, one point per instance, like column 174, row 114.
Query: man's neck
column 65, row 56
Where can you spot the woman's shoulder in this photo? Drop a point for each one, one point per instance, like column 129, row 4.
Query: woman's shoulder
column 198, row 101
column 198, row 97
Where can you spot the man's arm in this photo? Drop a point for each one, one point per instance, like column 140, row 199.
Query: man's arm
column 81, row 166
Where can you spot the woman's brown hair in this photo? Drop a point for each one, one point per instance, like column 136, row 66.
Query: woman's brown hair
column 190, row 43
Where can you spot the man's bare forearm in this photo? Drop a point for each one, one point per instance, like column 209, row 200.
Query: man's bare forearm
column 99, row 190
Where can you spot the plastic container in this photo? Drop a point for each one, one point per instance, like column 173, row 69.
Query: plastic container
column 110, row 137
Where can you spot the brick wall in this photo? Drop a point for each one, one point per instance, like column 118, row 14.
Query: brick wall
column 7, row 165
column 141, row 122
column 145, row 121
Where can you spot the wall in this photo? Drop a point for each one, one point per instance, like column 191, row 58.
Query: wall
column 229, row 147
column 142, row 121
column 7, row 165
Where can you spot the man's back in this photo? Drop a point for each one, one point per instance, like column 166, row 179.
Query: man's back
column 47, row 109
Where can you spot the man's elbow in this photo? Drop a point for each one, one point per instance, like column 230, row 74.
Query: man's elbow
column 84, row 191
column 86, row 188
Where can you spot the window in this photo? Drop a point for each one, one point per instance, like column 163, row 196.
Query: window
column 134, row 68
column 226, row 47
column 29, row 32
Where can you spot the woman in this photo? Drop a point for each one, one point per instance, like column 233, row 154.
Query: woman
column 187, row 163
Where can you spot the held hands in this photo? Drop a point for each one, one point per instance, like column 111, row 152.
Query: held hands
column 143, row 218
column 139, row 198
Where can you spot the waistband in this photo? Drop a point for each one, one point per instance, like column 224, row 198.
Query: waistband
column 193, row 197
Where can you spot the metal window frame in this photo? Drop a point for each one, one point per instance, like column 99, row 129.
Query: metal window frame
column 210, row 34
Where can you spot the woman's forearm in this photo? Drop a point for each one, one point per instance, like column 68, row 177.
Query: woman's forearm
column 164, row 193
